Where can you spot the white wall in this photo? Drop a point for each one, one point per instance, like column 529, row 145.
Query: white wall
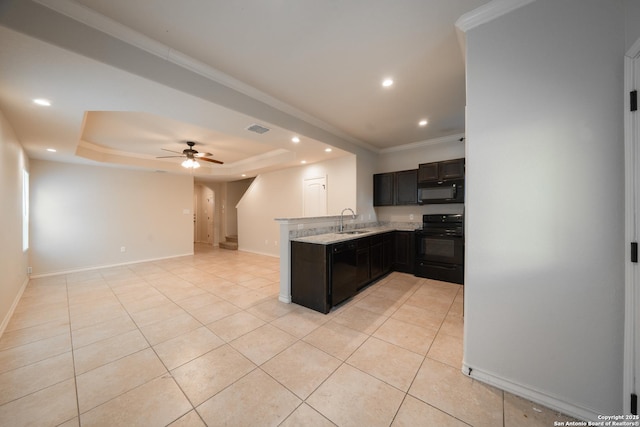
column 13, row 261
column 365, row 167
column 279, row 195
column 544, row 284
column 632, row 17
column 82, row 216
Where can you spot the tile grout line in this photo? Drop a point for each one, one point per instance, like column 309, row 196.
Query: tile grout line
column 344, row 362
column 427, row 357
column 73, row 360
column 168, row 371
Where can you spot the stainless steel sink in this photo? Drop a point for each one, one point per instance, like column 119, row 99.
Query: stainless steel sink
column 353, row 232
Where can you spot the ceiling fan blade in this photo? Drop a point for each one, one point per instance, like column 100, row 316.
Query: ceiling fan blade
column 171, row 151
column 167, row 157
column 211, row 160
column 202, row 155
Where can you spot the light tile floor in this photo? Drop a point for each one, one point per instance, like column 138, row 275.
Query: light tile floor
column 203, row 340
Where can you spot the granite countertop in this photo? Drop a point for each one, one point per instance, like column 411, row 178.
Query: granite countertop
column 330, row 238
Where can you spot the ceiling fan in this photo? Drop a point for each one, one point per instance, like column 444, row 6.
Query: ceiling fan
column 191, row 156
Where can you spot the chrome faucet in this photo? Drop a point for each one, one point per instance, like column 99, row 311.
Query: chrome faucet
column 353, row 215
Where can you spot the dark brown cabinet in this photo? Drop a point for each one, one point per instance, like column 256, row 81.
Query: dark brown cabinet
column 406, row 187
column 404, row 253
column 441, row 171
column 383, row 191
column 376, row 256
column 363, row 264
column 395, row 188
column 311, row 275
column 388, row 252
column 323, row 276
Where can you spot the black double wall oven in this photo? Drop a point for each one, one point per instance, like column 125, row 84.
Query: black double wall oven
column 439, row 250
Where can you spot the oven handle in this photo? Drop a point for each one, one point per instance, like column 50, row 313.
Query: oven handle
column 441, row 267
column 454, row 236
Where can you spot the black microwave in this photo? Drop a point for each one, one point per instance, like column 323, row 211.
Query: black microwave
column 442, row 192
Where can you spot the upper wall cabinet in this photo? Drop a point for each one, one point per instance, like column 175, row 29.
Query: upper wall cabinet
column 395, row 188
column 383, row 193
column 441, row 171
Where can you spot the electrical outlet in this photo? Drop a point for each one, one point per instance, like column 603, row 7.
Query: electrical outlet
column 29, row 270
column 410, row 217
column 123, row 249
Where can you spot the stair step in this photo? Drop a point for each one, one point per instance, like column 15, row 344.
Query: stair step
column 229, row 245
column 232, row 239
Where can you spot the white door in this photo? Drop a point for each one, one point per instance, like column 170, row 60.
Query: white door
column 195, row 216
column 631, row 380
column 315, row 197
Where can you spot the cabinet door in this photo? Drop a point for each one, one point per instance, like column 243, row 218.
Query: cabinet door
column 451, row 169
column 404, row 252
column 376, row 256
column 309, row 276
column 428, row 172
column 388, row 252
column 406, row 186
column 363, row 263
column 383, row 189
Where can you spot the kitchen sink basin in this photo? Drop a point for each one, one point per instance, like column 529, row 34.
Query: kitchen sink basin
column 353, row 232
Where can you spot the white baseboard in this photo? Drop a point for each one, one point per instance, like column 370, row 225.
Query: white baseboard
column 285, row 298
column 258, row 252
column 100, row 267
column 552, row 402
column 14, row 304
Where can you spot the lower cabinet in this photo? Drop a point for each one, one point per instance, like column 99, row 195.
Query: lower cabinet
column 404, row 254
column 388, row 251
column 376, row 256
column 310, row 275
column 363, row 263
column 323, row 276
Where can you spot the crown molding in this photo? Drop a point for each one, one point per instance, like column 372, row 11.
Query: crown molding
column 426, row 143
column 488, row 12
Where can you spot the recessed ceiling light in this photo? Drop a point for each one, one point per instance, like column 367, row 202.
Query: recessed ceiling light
column 423, row 122
column 42, row 101
column 51, row 150
column 295, row 139
column 244, row 174
column 387, row 82
column 328, row 150
column 303, row 162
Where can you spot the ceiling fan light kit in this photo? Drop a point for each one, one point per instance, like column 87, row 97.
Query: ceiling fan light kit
column 191, row 156
column 190, row 164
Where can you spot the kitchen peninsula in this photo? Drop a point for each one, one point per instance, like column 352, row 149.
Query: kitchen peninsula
column 316, row 253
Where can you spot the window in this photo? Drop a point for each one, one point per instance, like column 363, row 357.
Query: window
column 25, row 210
